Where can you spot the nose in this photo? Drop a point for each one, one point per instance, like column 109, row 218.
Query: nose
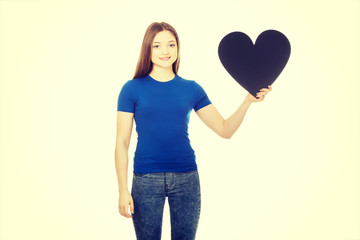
column 165, row 49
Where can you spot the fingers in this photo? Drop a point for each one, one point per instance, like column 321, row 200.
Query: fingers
column 132, row 206
column 263, row 93
column 266, row 89
column 127, row 214
column 260, row 96
column 124, row 211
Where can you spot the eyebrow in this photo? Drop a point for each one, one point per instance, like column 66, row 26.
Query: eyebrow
column 169, row 41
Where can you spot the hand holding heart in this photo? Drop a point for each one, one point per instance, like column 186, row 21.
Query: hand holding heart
column 250, row 98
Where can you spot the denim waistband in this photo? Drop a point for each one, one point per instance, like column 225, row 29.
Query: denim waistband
column 161, row 175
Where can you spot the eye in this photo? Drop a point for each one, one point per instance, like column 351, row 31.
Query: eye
column 172, row 44
column 156, row 46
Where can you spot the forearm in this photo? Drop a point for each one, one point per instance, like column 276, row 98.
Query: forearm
column 121, row 165
column 232, row 123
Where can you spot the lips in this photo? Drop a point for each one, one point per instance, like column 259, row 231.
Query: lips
column 165, row 58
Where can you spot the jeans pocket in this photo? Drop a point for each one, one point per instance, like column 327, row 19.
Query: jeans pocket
column 187, row 173
column 191, row 173
column 140, row 174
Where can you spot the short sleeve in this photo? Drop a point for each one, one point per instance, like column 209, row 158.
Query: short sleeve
column 201, row 98
column 126, row 100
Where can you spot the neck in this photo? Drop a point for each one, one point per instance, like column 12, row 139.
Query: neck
column 162, row 74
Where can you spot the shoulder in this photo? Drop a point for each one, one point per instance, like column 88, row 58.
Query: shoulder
column 133, row 83
column 189, row 82
column 193, row 86
column 184, row 79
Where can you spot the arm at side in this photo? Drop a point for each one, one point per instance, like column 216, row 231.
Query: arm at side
column 124, row 129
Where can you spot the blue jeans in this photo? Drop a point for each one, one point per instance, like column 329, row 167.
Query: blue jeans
column 149, row 192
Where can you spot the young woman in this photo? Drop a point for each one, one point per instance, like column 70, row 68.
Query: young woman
column 164, row 162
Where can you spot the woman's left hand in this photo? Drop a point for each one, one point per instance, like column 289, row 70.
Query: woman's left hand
column 260, row 94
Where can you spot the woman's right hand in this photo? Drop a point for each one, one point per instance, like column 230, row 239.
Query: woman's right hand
column 261, row 94
column 125, row 200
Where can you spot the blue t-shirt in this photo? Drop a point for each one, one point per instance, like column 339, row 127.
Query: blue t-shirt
column 162, row 112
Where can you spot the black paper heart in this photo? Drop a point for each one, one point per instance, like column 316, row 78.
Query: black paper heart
column 254, row 66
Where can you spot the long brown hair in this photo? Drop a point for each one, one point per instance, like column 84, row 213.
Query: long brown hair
column 144, row 64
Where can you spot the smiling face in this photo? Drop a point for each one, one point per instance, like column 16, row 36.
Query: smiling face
column 164, row 50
